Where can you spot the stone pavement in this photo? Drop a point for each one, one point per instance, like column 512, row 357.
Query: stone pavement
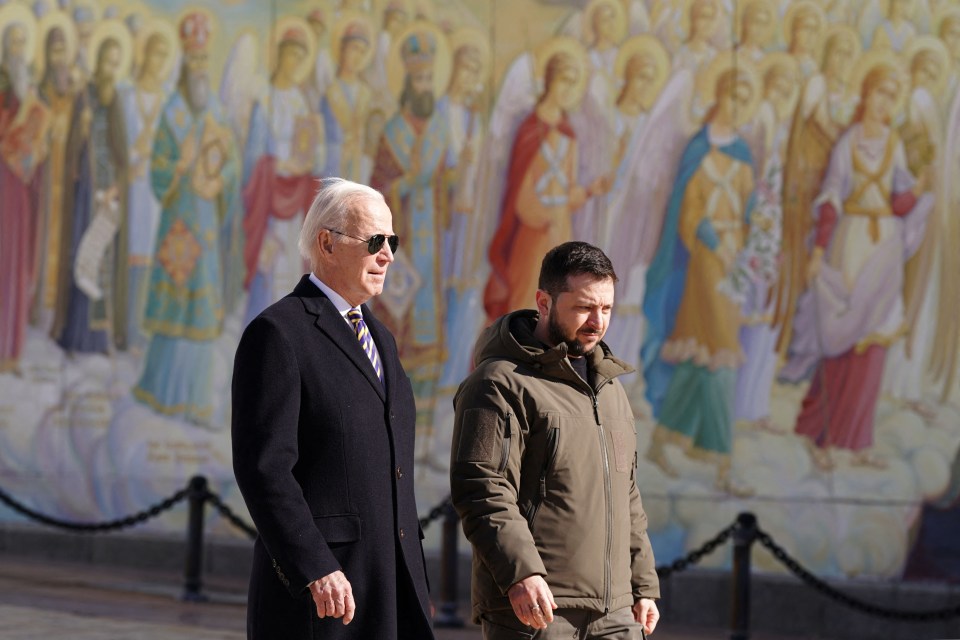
column 45, row 599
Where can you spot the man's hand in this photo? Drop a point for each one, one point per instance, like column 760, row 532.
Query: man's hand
column 333, row 596
column 646, row 613
column 532, row 602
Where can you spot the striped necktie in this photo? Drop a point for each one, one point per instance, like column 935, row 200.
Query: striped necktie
column 355, row 316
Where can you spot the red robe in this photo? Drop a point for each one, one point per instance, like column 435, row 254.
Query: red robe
column 267, row 194
column 19, row 193
column 531, row 134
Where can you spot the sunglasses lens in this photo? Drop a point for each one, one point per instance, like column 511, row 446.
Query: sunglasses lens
column 375, row 243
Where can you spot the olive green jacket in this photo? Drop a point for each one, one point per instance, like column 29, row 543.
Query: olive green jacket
column 543, row 474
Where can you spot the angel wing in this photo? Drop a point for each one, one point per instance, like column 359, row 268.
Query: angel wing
column 871, row 15
column 596, row 141
column 637, row 210
column 242, row 84
column 516, row 100
column 946, row 342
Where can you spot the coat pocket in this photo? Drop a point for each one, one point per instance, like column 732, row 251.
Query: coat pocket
column 339, row 528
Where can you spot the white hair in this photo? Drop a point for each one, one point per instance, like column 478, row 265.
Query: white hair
column 331, row 208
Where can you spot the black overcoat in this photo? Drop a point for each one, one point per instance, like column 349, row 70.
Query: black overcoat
column 323, row 456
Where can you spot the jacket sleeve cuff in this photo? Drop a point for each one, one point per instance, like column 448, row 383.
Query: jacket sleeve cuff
column 512, row 573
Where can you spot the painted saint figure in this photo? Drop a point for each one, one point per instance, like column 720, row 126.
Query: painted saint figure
column 193, row 172
column 92, row 290
column 758, row 263
column 142, row 104
column 410, row 171
column 57, row 91
column 631, row 226
column 347, row 101
column 543, row 191
column 690, row 365
column 285, row 149
column 824, row 111
column 462, row 258
column 22, row 131
column 871, row 214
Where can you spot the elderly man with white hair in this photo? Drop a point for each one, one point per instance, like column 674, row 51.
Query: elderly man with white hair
column 323, row 441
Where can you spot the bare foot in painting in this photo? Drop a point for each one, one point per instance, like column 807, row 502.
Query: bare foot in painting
column 866, row 459
column 730, row 486
column 821, row 457
column 766, row 424
column 928, row 414
column 658, row 456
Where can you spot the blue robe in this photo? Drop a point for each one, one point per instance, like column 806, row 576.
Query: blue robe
column 185, row 309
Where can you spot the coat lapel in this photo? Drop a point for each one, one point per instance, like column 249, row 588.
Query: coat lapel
column 329, row 321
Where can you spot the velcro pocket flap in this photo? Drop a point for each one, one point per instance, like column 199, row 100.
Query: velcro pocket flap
column 478, row 435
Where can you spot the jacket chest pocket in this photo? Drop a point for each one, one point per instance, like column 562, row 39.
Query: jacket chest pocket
column 623, row 442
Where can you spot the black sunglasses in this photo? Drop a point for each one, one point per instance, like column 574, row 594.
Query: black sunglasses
column 374, row 243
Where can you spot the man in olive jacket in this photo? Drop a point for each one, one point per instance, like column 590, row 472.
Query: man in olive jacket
column 543, row 467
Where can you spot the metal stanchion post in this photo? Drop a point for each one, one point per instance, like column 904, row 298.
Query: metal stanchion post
column 192, row 581
column 743, row 537
column 447, row 615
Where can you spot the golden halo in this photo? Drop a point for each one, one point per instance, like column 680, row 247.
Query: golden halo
column 165, row 29
column 619, row 18
column 740, row 10
column 115, row 29
column 136, row 7
column 56, row 19
column 795, row 9
column 276, row 37
column 347, row 19
column 935, row 46
column 21, row 14
column 840, row 29
column 688, row 7
column 477, row 39
column 868, row 62
column 724, row 61
column 651, row 46
column 951, row 12
column 442, row 61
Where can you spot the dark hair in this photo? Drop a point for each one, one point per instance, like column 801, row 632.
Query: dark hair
column 572, row 259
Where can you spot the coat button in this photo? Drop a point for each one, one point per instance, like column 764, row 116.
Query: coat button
column 399, row 473
column 402, row 534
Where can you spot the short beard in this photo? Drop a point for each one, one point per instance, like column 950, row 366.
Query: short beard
column 556, row 336
column 421, row 104
column 19, row 74
column 197, row 89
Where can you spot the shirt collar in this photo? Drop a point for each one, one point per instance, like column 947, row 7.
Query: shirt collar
column 342, row 305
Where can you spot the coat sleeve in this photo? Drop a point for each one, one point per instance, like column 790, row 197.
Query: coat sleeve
column 266, row 415
column 644, row 580
column 484, row 481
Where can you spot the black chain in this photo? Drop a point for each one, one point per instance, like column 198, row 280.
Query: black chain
column 109, row 525
column 229, row 514
column 436, row 513
column 865, row 607
column 665, row 571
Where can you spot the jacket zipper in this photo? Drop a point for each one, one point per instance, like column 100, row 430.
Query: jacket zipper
column 607, row 571
column 505, row 454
